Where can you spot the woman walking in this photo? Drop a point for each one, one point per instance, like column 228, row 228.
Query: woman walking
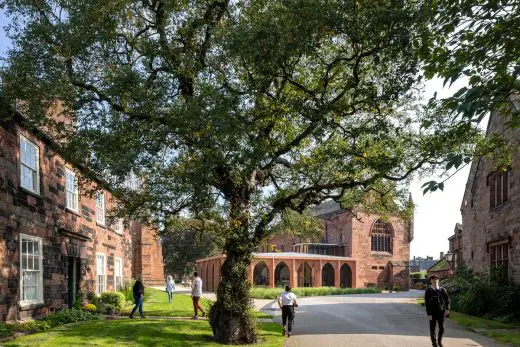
column 170, row 288
column 138, row 291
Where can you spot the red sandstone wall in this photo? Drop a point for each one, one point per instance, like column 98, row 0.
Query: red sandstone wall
column 43, row 215
column 481, row 224
column 367, row 259
column 151, row 255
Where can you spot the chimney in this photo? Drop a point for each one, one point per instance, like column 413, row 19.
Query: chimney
column 442, row 255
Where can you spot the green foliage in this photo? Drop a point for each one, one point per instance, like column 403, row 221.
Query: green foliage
column 483, row 295
column 92, row 298
column 116, row 300
column 302, row 225
column 33, row 326
column 186, row 240
column 78, row 300
column 68, row 316
column 126, row 290
column 5, row 331
column 240, row 111
column 274, row 293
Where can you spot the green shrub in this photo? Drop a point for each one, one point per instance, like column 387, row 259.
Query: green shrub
column 33, row 326
column 69, row 316
column 126, row 290
column 484, row 295
column 5, row 331
column 78, row 300
column 115, row 299
column 92, row 298
column 109, row 309
column 273, row 293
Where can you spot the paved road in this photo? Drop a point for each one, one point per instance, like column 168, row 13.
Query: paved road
column 369, row 320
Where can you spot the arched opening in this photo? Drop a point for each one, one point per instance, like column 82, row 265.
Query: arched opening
column 345, row 276
column 281, row 275
column 327, row 276
column 381, row 237
column 305, row 276
column 261, row 274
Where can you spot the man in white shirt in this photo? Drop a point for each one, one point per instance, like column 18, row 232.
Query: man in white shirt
column 196, row 293
column 287, row 303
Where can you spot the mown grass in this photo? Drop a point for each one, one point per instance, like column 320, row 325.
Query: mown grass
column 127, row 332
column 273, row 293
column 156, row 304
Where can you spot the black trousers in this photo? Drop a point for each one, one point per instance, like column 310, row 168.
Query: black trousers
column 288, row 314
column 437, row 318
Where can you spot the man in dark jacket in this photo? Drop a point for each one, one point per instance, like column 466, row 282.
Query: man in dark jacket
column 437, row 304
column 138, row 291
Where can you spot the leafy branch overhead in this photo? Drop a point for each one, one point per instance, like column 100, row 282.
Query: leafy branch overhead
column 243, row 108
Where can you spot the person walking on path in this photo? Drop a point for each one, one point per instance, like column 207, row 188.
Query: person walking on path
column 287, row 303
column 437, row 302
column 196, row 293
column 138, row 291
column 170, row 287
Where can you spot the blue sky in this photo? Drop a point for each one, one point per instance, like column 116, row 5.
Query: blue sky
column 436, row 213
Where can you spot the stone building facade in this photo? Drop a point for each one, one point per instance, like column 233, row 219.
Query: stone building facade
column 361, row 250
column 491, row 209
column 55, row 239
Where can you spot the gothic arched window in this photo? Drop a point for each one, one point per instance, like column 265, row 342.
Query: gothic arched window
column 381, row 237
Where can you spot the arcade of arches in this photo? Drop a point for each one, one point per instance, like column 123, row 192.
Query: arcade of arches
column 279, row 271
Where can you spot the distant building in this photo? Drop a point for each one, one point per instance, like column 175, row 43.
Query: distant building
column 355, row 252
column 455, row 246
column 419, row 264
column 491, row 208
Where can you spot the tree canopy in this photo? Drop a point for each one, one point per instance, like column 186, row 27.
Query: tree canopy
column 244, row 108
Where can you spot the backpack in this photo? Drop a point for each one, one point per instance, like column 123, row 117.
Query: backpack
column 436, row 300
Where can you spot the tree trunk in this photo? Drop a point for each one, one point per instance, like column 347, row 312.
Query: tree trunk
column 231, row 316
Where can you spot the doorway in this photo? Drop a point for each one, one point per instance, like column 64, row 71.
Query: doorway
column 74, row 279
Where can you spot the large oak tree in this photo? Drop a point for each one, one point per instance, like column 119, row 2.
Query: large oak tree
column 243, row 108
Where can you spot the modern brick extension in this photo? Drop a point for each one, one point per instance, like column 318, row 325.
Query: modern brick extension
column 356, row 251
column 53, row 240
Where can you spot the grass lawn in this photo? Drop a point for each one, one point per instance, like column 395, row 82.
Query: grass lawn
column 503, row 332
column 127, row 332
column 156, row 304
column 273, row 293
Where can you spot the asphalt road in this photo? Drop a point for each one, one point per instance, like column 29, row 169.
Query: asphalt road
column 380, row 320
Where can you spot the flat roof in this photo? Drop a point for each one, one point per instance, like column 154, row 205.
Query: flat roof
column 286, row 255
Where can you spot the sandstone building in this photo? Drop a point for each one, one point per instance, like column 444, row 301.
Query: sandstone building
column 490, row 210
column 356, row 251
column 55, row 239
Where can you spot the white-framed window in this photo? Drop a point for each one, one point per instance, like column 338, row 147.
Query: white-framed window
column 71, row 189
column 31, row 274
column 29, row 166
column 101, row 273
column 100, row 208
column 118, row 226
column 118, row 273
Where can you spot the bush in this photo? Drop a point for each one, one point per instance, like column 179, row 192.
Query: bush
column 33, row 326
column 5, row 331
column 89, row 308
column 116, row 299
column 92, row 298
column 126, row 290
column 272, row 293
column 420, row 286
column 110, row 309
column 484, row 295
column 69, row 316
column 78, row 300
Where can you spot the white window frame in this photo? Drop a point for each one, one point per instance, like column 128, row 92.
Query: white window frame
column 38, row 300
column 100, row 209
column 118, row 226
column 104, row 274
column 74, row 204
column 36, row 171
column 118, row 272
